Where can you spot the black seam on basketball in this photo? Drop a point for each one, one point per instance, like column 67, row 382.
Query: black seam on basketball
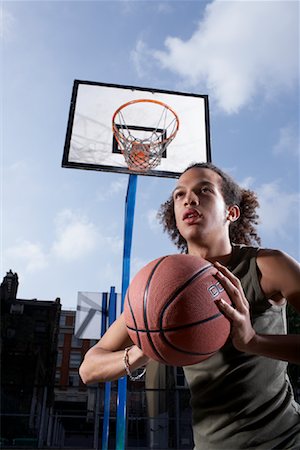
column 180, row 289
column 186, row 352
column 165, row 339
column 179, row 327
column 176, row 293
column 145, row 307
column 135, row 324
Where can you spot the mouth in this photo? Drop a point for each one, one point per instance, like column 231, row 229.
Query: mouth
column 190, row 215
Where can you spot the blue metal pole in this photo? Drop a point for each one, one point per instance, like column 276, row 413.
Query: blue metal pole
column 104, row 313
column 128, row 228
column 105, row 425
column 107, row 391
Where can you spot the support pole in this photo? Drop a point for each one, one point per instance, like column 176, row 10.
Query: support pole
column 105, row 424
column 111, row 318
column 128, row 228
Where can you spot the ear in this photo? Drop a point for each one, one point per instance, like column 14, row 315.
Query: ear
column 233, row 213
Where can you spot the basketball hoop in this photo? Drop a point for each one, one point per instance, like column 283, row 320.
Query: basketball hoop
column 144, row 152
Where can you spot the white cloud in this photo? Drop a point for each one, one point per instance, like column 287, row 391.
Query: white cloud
column 76, row 236
column 113, row 244
column 27, row 255
column 142, row 58
column 126, row 7
column 164, row 7
column 152, row 220
column 279, row 210
column 288, row 142
column 110, row 274
column 7, row 24
column 240, row 49
column 115, row 188
column 247, row 182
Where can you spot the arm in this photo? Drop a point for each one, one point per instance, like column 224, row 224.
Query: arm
column 104, row 361
column 280, row 280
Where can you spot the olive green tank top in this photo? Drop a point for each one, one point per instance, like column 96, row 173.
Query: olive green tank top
column 242, row 401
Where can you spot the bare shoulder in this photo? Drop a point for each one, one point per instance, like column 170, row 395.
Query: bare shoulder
column 280, row 275
column 270, row 260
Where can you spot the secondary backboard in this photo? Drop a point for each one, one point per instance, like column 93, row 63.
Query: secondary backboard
column 90, row 314
column 90, row 143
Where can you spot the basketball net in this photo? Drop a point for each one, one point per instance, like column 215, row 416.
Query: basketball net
column 146, row 153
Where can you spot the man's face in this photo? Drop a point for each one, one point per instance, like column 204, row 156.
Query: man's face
column 199, row 207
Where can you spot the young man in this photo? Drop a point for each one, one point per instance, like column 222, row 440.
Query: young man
column 241, row 396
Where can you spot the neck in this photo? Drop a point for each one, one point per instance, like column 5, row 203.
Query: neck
column 219, row 251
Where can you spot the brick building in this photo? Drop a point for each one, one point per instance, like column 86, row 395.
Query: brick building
column 72, row 417
column 45, row 403
column 158, row 413
column 29, row 331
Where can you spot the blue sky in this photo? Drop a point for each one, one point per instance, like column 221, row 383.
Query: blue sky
column 62, row 229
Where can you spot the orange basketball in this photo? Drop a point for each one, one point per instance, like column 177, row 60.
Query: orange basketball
column 170, row 310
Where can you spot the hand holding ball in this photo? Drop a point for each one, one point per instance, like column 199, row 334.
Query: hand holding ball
column 170, row 310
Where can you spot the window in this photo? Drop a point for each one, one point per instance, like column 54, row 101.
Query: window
column 16, row 308
column 61, row 338
column 59, row 359
column 74, row 379
column 76, row 343
column 62, row 320
column 57, row 377
column 40, row 326
column 75, row 360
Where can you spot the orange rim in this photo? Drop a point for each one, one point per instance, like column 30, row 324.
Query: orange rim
column 171, row 137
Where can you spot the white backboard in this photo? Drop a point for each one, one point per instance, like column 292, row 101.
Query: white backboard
column 89, row 314
column 90, row 143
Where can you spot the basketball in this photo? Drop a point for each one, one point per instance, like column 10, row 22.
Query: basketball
column 170, row 310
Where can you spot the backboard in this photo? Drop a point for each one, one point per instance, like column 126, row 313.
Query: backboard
column 90, row 313
column 90, row 143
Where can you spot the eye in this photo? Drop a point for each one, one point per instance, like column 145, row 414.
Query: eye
column 205, row 190
column 178, row 194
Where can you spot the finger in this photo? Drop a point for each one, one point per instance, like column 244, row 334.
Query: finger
column 224, row 274
column 235, row 293
column 228, row 274
column 226, row 309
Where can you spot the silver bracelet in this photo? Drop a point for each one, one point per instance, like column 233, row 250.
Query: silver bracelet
column 127, row 366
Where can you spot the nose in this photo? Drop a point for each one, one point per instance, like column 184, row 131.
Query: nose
column 191, row 198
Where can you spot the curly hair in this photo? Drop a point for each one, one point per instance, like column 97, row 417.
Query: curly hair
column 242, row 231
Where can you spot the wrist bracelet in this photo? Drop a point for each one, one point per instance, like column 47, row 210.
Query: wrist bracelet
column 127, row 366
